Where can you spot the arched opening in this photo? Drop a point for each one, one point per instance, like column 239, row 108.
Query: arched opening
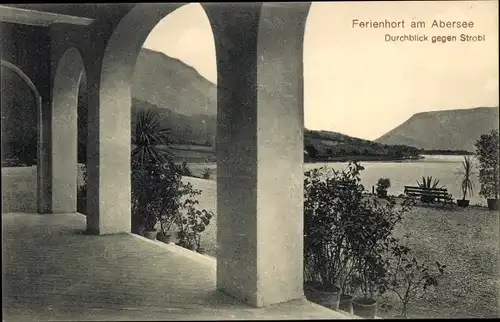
column 65, row 94
column 21, row 104
column 122, row 92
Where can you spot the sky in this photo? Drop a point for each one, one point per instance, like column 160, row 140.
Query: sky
column 355, row 82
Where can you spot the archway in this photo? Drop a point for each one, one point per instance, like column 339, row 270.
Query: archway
column 114, row 111
column 27, row 81
column 69, row 72
column 260, row 123
column 21, row 106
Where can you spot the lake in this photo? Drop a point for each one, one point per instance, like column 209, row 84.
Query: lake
column 401, row 173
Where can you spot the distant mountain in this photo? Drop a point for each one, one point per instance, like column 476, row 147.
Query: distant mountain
column 169, row 83
column 444, row 130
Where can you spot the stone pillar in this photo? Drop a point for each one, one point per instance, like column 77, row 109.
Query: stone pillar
column 44, row 158
column 108, row 139
column 64, row 134
column 260, row 153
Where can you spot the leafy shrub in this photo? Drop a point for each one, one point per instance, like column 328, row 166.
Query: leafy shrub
column 345, row 232
column 81, row 193
column 331, row 201
column 408, row 278
column 156, row 193
column 383, row 183
column 192, row 222
column 489, row 174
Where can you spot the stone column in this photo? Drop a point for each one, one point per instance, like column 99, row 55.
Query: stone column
column 108, row 139
column 260, row 152
column 64, row 134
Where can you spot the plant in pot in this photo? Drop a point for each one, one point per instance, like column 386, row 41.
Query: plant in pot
column 383, row 185
column 465, row 174
column 149, row 155
column 427, row 183
column 207, row 172
column 489, row 176
column 372, row 230
column 407, row 277
column 192, row 222
column 369, row 273
column 330, row 204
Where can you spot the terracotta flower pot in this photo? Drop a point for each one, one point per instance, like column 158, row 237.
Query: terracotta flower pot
column 493, row 204
column 328, row 297
column 462, row 203
column 364, row 307
column 345, row 303
column 165, row 238
column 150, row 234
column 382, row 193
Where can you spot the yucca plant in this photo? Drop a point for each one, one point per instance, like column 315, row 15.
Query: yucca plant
column 151, row 141
column 429, row 184
column 465, row 173
column 207, row 172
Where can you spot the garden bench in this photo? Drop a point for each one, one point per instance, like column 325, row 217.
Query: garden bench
column 439, row 194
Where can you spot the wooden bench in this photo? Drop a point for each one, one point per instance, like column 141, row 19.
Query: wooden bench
column 429, row 195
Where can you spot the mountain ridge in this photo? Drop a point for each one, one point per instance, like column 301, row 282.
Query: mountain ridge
column 444, row 129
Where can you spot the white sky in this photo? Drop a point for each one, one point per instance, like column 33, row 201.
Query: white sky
column 356, row 83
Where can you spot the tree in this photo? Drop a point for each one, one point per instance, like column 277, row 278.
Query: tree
column 487, row 153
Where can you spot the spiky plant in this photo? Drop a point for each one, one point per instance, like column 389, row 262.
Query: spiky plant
column 151, row 141
column 428, row 183
column 465, row 173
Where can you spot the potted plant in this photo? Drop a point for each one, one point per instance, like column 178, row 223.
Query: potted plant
column 331, row 206
column 207, row 172
column 369, row 271
column 489, row 176
column 149, row 156
column 382, row 185
column 372, row 232
column 465, row 175
column 192, row 222
column 166, row 234
column 150, row 231
column 427, row 183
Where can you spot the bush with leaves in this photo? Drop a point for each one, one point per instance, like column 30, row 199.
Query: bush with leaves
column 407, row 277
column 489, row 175
column 331, row 201
column 370, row 232
column 81, row 193
column 157, row 190
column 192, row 222
column 345, row 231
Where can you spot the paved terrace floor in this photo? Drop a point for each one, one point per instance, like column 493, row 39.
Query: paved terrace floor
column 52, row 271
